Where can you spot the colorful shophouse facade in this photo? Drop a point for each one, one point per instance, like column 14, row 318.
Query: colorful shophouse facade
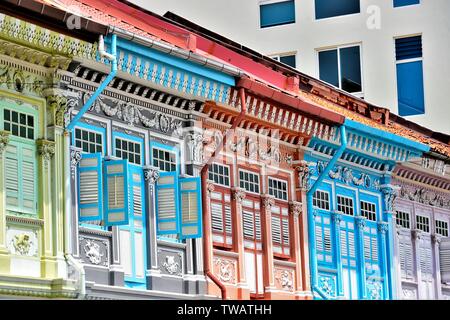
column 129, row 221
column 33, row 259
column 423, row 217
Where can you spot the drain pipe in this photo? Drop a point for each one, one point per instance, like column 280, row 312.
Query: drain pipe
column 205, row 205
column 309, row 199
column 113, row 59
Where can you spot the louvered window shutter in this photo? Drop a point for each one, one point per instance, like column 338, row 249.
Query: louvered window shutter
column 117, row 192
column 276, row 230
column 285, row 224
column 90, row 187
column 20, row 177
column 406, row 256
column 167, row 204
column 426, row 259
column 319, row 239
column 28, row 178
column 228, row 219
column 12, row 176
column 137, row 186
column 327, row 239
column 249, row 230
column 444, row 254
column 258, row 226
column 217, row 216
column 191, row 208
column 367, row 251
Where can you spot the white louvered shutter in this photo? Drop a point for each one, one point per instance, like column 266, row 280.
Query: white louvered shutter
column 426, row 258
column 406, row 256
column 166, row 204
column 444, row 255
column 117, row 202
column 327, row 239
column 217, row 216
column 276, row 230
column 249, row 230
column 28, row 178
column 191, row 209
column 319, row 239
column 90, row 187
column 258, row 226
column 228, row 220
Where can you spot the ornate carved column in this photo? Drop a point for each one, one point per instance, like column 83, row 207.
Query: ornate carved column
column 295, row 209
column 360, row 223
column 416, row 236
column 4, row 255
column 267, row 201
column 209, row 245
column 383, row 228
column 436, row 241
column 304, row 171
column 151, row 176
column 46, row 150
column 75, row 158
column 238, row 195
column 390, row 193
column 336, row 217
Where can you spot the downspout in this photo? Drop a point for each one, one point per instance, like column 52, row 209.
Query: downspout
column 113, row 59
column 68, row 209
column 205, row 204
column 309, row 199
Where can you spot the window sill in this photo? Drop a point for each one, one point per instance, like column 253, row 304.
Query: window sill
column 168, row 243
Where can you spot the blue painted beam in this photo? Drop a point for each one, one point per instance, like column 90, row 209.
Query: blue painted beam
column 100, row 88
column 311, row 222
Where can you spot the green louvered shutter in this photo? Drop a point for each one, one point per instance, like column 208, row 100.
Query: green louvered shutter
column 20, row 177
column 90, row 186
column 12, row 176
column 28, row 178
column 117, row 193
column 191, row 208
column 167, row 204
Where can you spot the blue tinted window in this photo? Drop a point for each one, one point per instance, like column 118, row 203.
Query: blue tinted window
column 278, row 13
column 328, row 67
column 350, row 69
column 333, row 8
column 289, row 60
column 410, row 89
column 408, row 48
column 402, row 3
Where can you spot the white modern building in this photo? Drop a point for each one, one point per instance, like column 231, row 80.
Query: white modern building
column 392, row 53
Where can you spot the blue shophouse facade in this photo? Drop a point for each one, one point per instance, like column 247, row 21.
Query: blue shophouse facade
column 350, row 213
column 136, row 200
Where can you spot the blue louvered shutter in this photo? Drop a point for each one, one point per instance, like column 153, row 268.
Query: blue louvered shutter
column 167, row 204
column 191, row 208
column 117, row 193
column 90, row 187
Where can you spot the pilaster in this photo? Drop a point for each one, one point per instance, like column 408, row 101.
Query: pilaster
column 383, row 229
column 360, row 223
column 46, row 150
column 5, row 260
column 295, row 209
column 151, row 176
column 267, row 201
column 436, row 241
column 337, row 218
column 238, row 195
column 416, row 236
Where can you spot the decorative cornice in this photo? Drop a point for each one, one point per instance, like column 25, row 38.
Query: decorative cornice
column 424, row 195
column 4, row 140
column 46, row 149
column 24, row 220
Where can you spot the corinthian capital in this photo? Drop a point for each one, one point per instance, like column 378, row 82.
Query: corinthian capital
column 151, row 174
column 295, row 208
column 268, row 201
column 4, row 140
column 46, row 149
column 238, row 195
